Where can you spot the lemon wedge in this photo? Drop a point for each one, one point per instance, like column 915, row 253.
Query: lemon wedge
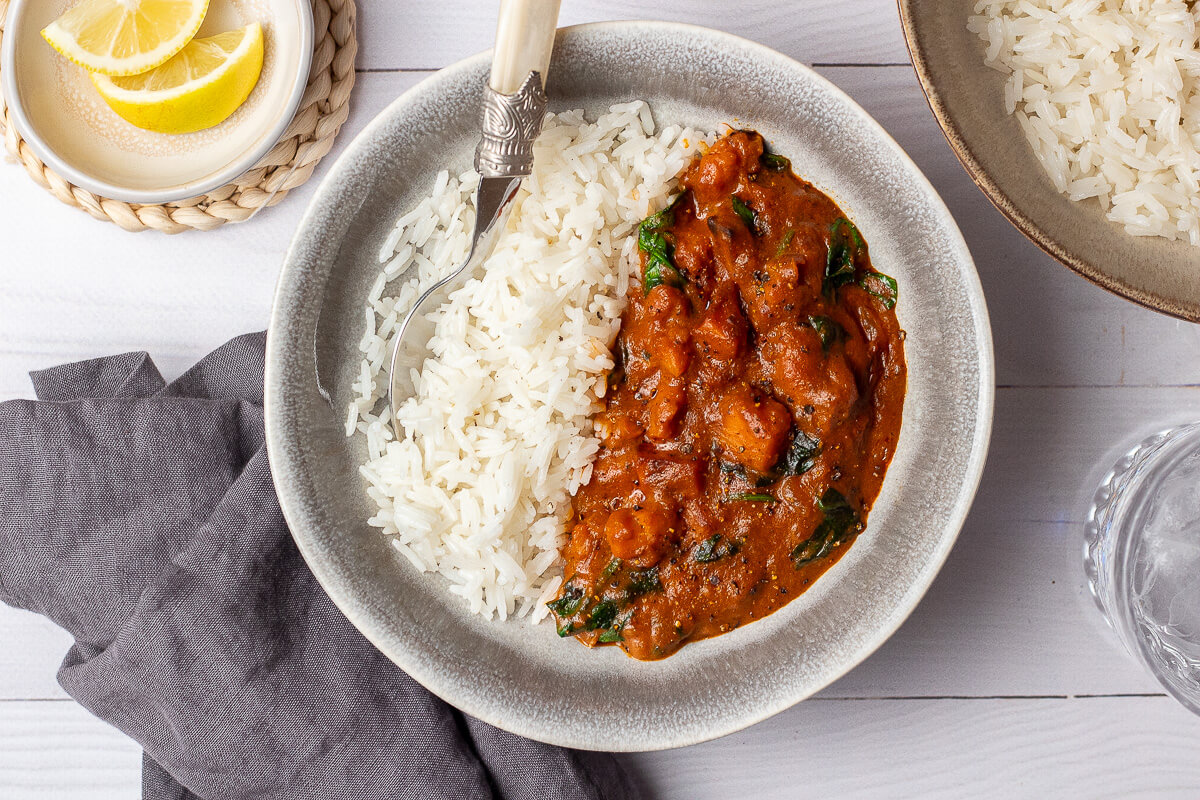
column 125, row 37
column 196, row 89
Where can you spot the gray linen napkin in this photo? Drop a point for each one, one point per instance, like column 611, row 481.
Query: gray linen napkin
column 140, row 517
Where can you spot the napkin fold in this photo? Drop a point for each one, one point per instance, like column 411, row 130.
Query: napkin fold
column 140, row 516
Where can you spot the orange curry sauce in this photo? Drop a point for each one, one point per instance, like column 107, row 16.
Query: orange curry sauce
column 751, row 416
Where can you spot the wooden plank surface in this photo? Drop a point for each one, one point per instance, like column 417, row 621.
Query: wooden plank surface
column 54, row 750
column 1081, row 374
column 946, row 749
column 1114, row 747
column 398, row 34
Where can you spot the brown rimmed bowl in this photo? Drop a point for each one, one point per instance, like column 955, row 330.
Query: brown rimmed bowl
column 967, row 98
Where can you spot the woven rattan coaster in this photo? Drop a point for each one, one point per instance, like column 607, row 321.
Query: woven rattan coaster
column 323, row 109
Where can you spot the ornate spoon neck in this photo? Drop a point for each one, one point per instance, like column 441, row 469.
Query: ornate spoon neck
column 510, row 124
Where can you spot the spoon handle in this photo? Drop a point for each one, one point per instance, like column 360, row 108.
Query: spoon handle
column 524, row 41
column 514, row 101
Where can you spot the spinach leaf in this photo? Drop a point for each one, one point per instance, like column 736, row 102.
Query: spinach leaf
column 759, row 481
column 659, row 272
column 612, row 635
column 661, row 220
column 651, row 241
column 569, row 602
column 839, row 515
column 785, row 242
column 801, row 454
column 808, row 551
column 775, row 162
column 748, row 214
column 644, row 581
column 706, row 551
column 882, row 287
column 846, row 248
column 621, row 358
column 709, row 551
column 602, row 616
column 615, row 377
column 756, row 497
column 827, row 329
column 613, row 632
column 732, row 468
column 839, row 521
column 660, row 253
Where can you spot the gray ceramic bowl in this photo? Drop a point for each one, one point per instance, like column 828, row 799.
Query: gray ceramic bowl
column 524, row 678
column 967, row 97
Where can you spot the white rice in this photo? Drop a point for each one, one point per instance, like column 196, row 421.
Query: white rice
column 1108, row 94
column 499, row 435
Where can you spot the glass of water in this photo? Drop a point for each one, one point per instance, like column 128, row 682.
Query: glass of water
column 1142, row 555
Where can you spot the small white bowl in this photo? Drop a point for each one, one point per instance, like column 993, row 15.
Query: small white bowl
column 70, row 128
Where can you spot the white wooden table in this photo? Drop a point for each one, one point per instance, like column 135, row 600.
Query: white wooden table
column 1004, row 682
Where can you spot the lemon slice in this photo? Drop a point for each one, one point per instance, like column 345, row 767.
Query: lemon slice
column 125, row 37
column 198, row 88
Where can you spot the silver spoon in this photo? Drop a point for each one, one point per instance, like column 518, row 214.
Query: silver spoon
column 514, row 106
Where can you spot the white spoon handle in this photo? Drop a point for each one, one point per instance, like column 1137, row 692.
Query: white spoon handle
column 524, row 41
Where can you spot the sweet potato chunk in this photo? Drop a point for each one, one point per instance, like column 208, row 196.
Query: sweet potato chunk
column 753, row 428
column 722, row 333
column 671, row 475
column 640, row 535
column 665, row 409
column 668, row 334
column 718, row 174
column 806, row 376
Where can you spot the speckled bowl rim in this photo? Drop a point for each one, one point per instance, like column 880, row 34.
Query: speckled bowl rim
column 1005, row 205
column 778, row 699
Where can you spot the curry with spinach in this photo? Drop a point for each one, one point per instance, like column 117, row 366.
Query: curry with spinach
column 750, row 418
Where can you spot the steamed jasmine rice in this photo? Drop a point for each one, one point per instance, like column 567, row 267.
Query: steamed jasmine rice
column 499, row 436
column 1108, row 94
